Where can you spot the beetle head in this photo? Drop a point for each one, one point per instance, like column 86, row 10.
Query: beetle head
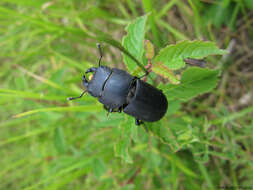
column 97, row 80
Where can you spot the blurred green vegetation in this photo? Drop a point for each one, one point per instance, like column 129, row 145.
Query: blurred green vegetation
column 205, row 143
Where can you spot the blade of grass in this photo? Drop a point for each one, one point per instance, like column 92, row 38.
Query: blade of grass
column 51, row 27
column 42, row 79
column 21, row 137
column 23, row 94
column 232, row 23
column 67, row 179
column 177, row 162
column 79, row 165
column 13, row 166
column 131, row 5
column 149, row 8
column 123, row 10
column 93, row 108
column 197, row 19
column 206, row 176
column 80, row 66
column 14, row 122
column 175, row 32
column 233, row 116
column 165, row 9
column 34, row 96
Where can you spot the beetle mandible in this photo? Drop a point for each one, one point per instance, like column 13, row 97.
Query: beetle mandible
column 117, row 90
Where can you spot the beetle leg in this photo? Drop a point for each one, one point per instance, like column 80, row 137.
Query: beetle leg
column 85, row 82
column 138, row 122
column 149, row 69
column 92, row 69
column 106, row 108
column 73, row 98
column 110, row 110
column 146, row 74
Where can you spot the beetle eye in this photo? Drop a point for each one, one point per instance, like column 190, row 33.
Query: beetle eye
column 90, row 77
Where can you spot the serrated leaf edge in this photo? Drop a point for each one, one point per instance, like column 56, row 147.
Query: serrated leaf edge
column 223, row 51
column 177, row 86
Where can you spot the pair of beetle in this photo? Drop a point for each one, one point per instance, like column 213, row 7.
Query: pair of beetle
column 117, row 90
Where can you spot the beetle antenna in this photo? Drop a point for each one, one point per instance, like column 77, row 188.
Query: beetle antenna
column 73, row 98
column 100, row 52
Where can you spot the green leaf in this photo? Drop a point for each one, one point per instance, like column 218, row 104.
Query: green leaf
column 161, row 131
column 150, row 52
column 98, row 167
column 248, row 4
column 194, row 81
column 185, row 136
column 165, row 72
column 128, row 131
column 59, row 140
column 173, row 56
column 133, row 41
column 121, row 149
column 174, row 107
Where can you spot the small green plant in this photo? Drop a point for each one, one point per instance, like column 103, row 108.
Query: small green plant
column 194, row 80
column 180, row 88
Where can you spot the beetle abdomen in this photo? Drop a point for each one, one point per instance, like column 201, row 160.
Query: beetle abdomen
column 148, row 103
column 116, row 89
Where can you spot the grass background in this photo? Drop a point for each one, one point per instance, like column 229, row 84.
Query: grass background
column 45, row 48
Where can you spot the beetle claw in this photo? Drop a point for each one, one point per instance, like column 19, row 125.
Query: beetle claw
column 81, row 95
column 70, row 98
column 110, row 110
column 138, row 122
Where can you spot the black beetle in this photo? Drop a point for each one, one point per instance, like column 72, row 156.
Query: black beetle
column 117, row 90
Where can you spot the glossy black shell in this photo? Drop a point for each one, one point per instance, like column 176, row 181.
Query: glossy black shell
column 148, row 103
column 115, row 88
